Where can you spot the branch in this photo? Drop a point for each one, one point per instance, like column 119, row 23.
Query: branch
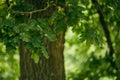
column 34, row 11
column 104, row 26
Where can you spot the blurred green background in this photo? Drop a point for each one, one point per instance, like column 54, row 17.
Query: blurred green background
column 86, row 62
column 9, row 64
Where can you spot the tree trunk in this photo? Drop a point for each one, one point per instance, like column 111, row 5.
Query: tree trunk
column 45, row 69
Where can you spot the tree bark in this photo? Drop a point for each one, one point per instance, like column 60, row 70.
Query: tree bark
column 45, row 69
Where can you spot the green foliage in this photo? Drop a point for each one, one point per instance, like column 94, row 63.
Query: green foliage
column 44, row 27
column 9, row 67
column 90, row 54
column 35, row 57
column 57, row 19
column 18, row 23
column 85, row 61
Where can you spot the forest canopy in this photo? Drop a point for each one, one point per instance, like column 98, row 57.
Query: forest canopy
column 92, row 38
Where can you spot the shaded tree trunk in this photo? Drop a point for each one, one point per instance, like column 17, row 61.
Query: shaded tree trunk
column 45, row 69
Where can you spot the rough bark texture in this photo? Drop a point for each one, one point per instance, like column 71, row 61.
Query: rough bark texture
column 45, row 69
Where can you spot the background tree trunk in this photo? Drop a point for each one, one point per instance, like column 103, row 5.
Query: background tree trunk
column 45, row 69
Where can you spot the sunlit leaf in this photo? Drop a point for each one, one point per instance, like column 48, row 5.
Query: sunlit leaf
column 44, row 52
column 35, row 57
